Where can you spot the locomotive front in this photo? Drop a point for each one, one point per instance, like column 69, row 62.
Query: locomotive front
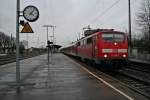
column 112, row 46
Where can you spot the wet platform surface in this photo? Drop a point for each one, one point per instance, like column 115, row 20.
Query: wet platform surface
column 63, row 79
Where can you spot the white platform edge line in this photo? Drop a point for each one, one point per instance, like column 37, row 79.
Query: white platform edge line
column 119, row 91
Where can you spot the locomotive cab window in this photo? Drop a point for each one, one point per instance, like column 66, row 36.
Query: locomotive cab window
column 89, row 40
column 107, row 37
column 111, row 37
column 119, row 37
column 78, row 43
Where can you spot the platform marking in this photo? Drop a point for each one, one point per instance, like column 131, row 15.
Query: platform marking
column 119, row 91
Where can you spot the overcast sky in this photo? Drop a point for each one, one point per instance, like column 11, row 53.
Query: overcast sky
column 69, row 17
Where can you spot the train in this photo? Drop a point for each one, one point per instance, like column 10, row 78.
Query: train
column 100, row 46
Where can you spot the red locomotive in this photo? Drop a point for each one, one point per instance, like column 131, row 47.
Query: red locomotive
column 100, row 46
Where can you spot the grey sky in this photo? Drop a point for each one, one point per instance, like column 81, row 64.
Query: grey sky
column 69, row 17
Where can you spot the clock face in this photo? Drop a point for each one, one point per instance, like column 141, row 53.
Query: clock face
column 31, row 13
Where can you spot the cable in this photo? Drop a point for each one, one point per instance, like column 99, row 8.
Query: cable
column 123, row 22
column 116, row 2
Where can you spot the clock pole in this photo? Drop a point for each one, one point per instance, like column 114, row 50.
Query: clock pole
column 17, row 36
column 17, row 47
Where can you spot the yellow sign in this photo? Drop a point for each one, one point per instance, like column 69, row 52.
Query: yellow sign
column 27, row 28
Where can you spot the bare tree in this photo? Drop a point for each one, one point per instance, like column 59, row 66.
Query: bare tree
column 143, row 21
column 6, row 43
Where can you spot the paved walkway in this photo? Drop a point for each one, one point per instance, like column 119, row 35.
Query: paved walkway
column 63, row 79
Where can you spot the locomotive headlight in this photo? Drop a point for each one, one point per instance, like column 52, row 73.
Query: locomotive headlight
column 105, row 55
column 115, row 43
column 124, row 55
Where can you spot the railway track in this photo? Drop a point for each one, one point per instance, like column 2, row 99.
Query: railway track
column 12, row 58
column 136, row 77
column 133, row 82
column 136, row 74
column 6, row 60
column 131, row 76
column 139, row 66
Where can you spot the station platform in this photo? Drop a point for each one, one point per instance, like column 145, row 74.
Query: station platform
column 64, row 79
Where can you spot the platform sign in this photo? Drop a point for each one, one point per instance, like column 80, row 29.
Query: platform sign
column 27, row 28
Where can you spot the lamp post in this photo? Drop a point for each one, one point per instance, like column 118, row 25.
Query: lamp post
column 17, row 46
column 53, row 36
column 130, row 38
column 47, row 27
column 31, row 16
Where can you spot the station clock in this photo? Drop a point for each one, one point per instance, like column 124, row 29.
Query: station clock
column 31, row 13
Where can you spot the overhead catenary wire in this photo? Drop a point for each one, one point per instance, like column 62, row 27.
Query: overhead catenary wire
column 105, row 11
column 133, row 3
column 116, row 2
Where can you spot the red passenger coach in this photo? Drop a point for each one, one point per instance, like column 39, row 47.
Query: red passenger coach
column 101, row 46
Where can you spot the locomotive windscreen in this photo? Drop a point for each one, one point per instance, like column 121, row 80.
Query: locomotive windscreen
column 111, row 37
